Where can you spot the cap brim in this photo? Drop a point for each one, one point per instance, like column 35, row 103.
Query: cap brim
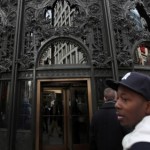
column 112, row 84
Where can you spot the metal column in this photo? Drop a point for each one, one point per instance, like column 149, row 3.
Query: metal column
column 13, row 99
column 110, row 38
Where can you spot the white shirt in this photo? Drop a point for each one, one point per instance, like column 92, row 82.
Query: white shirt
column 141, row 133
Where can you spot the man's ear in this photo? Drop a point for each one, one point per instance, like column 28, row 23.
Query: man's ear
column 104, row 99
column 148, row 108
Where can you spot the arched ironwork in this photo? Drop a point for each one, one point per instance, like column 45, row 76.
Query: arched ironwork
column 51, row 43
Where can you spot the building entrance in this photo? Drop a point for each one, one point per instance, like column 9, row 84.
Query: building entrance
column 63, row 114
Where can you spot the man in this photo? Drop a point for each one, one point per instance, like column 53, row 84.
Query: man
column 106, row 132
column 133, row 109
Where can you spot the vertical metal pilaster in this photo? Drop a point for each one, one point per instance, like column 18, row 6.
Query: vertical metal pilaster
column 13, row 99
column 34, row 92
column 110, row 38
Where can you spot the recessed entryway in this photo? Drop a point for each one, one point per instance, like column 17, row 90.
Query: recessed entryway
column 63, row 114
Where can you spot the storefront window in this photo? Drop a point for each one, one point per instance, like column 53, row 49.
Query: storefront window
column 24, row 113
column 4, row 96
column 25, row 105
column 143, row 55
column 4, row 111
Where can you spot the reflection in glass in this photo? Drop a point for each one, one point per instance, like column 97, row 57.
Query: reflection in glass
column 25, row 105
column 63, row 14
column 52, row 118
column 143, row 55
column 135, row 17
column 4, row 96
column 62, row 53
column 79, row 112
column 64, row 114
column 4, row 110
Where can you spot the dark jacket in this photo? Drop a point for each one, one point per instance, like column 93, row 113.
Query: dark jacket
column 106, row 133
column 141, row 146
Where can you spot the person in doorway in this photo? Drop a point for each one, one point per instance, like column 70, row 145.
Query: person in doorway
column 106, row 133
column 133, row 109
column 55, row 116
column 46, row 116
column 26, row 113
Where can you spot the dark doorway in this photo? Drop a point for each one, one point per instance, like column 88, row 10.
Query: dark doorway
column 64, row 115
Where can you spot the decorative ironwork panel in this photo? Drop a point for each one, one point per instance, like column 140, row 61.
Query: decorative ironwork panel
column 7, row 33
column 129, row 26
column 63, row 51
column 86, row 26
column 70, row 73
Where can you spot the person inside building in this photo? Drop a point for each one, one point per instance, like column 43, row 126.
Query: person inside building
column 46, row 117
column 106, row 133
column 133, row 109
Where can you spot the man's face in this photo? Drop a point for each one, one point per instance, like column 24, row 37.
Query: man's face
column 131, row 107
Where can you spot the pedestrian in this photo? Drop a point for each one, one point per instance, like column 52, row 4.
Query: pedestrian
column 106, row 133
column 133, row 109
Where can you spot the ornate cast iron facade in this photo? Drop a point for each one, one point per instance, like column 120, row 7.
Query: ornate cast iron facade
column 104, row 31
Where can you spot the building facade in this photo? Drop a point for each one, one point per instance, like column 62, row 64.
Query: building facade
column 55, row 56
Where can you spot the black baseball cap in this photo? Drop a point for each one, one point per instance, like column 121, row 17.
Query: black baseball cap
column 135, row 81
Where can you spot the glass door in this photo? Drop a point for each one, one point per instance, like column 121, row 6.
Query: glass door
column 79, row 118
column 64, row 116
column 52, row 118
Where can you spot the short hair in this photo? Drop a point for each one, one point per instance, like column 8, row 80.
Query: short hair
column 109, row 94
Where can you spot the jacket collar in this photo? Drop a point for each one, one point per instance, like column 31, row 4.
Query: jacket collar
column 141, row 133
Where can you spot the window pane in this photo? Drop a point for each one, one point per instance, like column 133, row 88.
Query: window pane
column 25, row 105
column 5, row 85
column 80, row 118
column 4, row 109
column 142, row 55
column 23, row 134
column 60, row 52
